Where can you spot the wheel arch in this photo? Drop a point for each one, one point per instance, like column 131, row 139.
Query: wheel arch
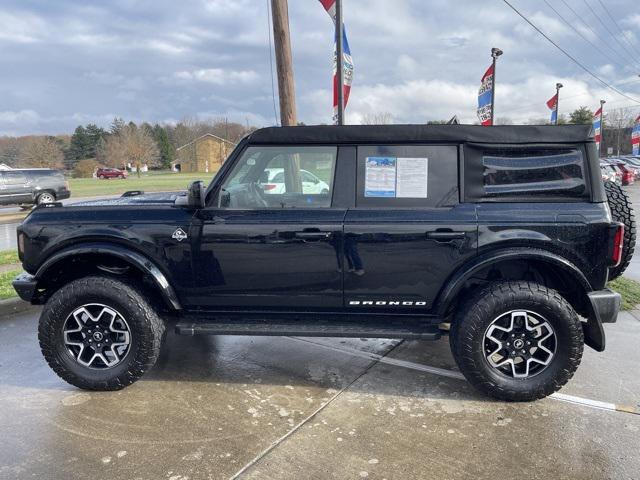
column 91, row 254
column 497, row 261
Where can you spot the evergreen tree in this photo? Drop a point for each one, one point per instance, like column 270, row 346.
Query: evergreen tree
column 116, row 126
column 167, row 151
column 94, row 135
column 581, row 116
column 78, row 147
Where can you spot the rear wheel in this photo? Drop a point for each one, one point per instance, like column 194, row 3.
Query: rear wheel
column 99, row 333
column 517, row 341
column 622, row 211
column 45, row 197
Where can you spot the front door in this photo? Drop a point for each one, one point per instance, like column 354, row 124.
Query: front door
column 272, row 236
column 408, row 232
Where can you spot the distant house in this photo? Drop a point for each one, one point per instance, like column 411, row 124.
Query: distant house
column 204, row 154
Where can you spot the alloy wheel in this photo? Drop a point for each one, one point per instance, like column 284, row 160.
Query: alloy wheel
column 97, row 336
column 520, row 344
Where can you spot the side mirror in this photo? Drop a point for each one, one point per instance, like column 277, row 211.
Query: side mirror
column 196, row 194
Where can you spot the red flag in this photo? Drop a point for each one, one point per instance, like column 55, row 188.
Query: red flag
column 552, row 102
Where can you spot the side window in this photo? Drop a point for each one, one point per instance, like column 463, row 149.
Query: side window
column 533, row 172
column 407, row 176
column 14, row 178
column 280, row 177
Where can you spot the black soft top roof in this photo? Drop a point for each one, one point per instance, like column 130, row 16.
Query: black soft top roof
column 347, row 134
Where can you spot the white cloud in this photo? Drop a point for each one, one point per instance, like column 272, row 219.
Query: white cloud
column 218, row 76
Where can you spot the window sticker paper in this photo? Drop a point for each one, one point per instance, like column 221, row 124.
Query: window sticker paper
column 412, row 176
column 380, row 177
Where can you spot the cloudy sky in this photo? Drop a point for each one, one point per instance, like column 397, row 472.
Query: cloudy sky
column 66, row 62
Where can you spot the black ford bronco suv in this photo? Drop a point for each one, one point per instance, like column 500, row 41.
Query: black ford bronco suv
column 501, row 237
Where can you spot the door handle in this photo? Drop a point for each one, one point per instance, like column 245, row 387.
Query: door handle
column 445, row 236
column 312, row 235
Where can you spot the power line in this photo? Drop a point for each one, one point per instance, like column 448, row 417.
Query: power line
column 568, row 55
column 607, row 29
column 582, row 36
column 615, row 22
column 273, row 87
column 588, row 27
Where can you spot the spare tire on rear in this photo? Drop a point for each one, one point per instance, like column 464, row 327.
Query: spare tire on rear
column 622, row 211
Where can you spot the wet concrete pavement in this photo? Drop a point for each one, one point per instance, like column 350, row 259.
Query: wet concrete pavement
column 280, row 408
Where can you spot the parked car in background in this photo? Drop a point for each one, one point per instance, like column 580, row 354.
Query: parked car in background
column 32, row 186
column 610, row 173
column 628, row 173
column 273, row 182
column 106, row 173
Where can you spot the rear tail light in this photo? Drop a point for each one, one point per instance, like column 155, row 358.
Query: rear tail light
column 269, row 186
column 618, row 243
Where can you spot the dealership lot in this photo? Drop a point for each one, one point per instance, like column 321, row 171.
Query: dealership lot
column 261, row 407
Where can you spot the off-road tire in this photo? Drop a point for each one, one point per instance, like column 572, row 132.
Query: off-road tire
column 622, row 211
column 478, row 312
column 146, row 332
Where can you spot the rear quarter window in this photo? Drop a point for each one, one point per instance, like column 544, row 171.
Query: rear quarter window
column 526, row 173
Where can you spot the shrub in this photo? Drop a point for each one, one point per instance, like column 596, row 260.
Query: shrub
column 85, row 168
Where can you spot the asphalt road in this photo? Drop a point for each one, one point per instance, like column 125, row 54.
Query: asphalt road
column 289, row 408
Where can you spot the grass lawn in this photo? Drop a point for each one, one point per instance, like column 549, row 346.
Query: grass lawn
column 629, row 289
column 7, row 257
column 6, row 289
column 148, row 182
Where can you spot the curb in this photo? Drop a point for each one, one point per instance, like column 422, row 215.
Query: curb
column 13, row 306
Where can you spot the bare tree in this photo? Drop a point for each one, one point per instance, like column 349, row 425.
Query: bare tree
column 382, row 118
column 132, row 145
column 42, row 152
column 619, row 120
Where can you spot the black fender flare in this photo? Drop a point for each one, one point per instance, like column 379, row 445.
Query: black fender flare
column 594, row 333
column 130, row 256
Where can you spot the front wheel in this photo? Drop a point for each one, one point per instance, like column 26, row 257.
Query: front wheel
column 517, row 341
column 99, row 333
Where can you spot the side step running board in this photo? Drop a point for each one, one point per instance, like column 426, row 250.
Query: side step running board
column 408, row 329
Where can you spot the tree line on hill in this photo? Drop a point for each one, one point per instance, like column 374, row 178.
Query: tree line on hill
column 121, row 145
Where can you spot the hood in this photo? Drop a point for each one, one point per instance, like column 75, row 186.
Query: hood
column 133, row 198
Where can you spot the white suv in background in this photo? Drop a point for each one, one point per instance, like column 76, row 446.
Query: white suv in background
column 310, row 183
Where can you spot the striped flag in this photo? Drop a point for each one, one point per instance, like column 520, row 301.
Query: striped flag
column 635, row 137
column 347, row 62
column 552, row 104
column 484, row 98
column 597, row 124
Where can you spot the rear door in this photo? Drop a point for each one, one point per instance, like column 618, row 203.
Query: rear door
column 15, row 187
column 408, row 232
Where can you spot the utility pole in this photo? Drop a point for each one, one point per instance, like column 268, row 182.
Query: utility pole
column 284, row 62
column 339, row 62
column 601, row 148
column 495, row 53
column 558, row 87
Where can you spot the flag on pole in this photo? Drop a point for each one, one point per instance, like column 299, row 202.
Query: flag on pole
column 552, row 103
column 485, row 98
column 347, row 62
column 635, row 137
column 597, row 124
